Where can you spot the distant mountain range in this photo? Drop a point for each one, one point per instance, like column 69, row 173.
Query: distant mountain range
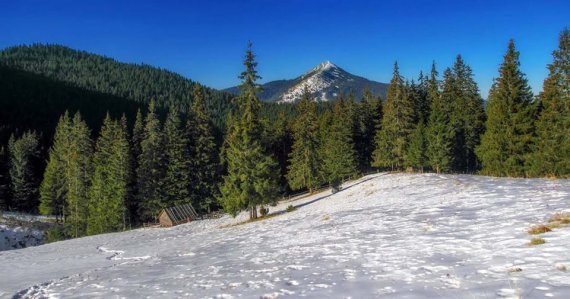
column 325, row 82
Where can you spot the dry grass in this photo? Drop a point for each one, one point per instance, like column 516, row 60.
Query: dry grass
column 561, row 218
column 514, row 269
column 561, row 267
column 326, row 217
column 536, row 241
column 539, row 229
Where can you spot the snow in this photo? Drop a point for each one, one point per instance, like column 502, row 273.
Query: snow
column 316, row 80
column 385, row 235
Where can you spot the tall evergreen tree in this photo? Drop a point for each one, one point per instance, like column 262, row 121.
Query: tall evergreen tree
column 204, row 162
column 468, row 117
column 368, row 117
column 4, row 180
column 23, row 151
column 416, row 153
column 108, row 193
column 136, row 138
column 440, row 131
column 252, row 173
column 551, row 156
column 77, row 170
column 53, row 188
column 397, row 125
column 304, row 168
column 509, row 127
column 150, row 173
column 337, row 148
column 176, row 159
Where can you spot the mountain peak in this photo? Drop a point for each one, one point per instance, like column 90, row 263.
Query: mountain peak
column 324, row 66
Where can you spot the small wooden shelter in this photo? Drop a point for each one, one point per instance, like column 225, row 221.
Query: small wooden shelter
column 175, row 215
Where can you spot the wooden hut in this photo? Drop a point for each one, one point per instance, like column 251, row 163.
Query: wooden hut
column 177, row 215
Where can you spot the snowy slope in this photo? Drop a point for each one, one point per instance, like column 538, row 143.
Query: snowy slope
column 386, row 235
column 325, row 82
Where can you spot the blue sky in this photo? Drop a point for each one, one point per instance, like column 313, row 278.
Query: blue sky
column 205, row 40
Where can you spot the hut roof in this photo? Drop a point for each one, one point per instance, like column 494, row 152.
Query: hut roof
column 181, row 213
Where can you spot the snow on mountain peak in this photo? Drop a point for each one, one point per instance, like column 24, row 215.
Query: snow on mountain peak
column 317, row 80
column 325, row 66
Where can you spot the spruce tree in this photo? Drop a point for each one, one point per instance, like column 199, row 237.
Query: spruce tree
column 416, row 153
column 551, row 156
column 251, row 178
column 23, row 151
column 4, row 180
column 440, row 131
column 368, row 117
column 304, row 167
column 151, row 168
column 136, row 138
column 176, row 159
column 204, row 162
column 108, row 193
column 53, row 186
column 468, row 117
column 77, row 171
column 506, row 143
column 337, row 148
column 397, row 125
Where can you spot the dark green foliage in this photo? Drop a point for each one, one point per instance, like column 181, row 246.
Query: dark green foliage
column 23, row 151
column 551, row 155
column 77, row 170
column 63, row 191
column 506, row 143
column 368, row 115
column 251, row 178
column 176, row 161
column 109, row 190
column 204, row 152
column 53, row 188
column 337, row 146
column 304, row 168
column 397, row 125
column 468, row 116
column 139, row 83
column 4, row 180
column 416, row 153
column 440, row 131
column 151, row 169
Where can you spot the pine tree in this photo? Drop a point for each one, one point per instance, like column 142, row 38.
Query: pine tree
column 135, row 151
column 252, row 174
column 77, row 174
column 551, row 156
column 468, row 117
column 368, row 117
column 304, row 168
column 204, row 162
column 176, row 159
column 337, row 148
column 416, row 153
column 150, row 173
column 440, row 131
column 108, row 193
column 4, row 180
column 509, row 128
column 23, row 151
column 397, row 125
column 53, row 189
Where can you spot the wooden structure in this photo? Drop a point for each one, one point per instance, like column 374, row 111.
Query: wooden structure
column 177, row 215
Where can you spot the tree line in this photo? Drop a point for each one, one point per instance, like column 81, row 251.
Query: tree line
column 128, row 173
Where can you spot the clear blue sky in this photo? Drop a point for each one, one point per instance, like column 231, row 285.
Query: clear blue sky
column 205, row 40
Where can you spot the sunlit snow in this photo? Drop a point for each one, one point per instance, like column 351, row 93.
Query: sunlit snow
column 385, row 235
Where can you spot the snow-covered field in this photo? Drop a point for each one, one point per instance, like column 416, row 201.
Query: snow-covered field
column 385, row 235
